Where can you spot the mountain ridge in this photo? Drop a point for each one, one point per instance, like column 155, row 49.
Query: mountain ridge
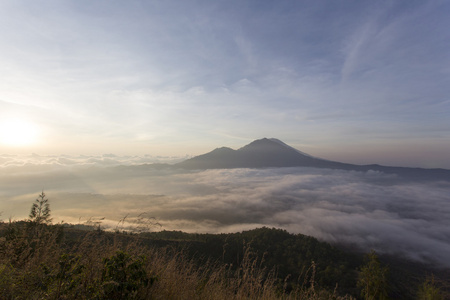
column 261, row 153
column 273, row 153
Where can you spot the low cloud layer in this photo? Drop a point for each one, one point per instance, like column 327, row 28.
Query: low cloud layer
column 11, row 161
column 370, row 210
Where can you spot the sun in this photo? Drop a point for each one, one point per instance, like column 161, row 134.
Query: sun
column 18, row 132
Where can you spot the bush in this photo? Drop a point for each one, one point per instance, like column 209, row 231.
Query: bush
column 123, row 276
column 429, row 290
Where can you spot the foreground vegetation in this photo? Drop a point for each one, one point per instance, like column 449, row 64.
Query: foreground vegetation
column 52, row 262
column 39, row 260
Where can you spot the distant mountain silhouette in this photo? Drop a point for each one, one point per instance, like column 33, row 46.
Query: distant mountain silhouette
column 273, row 153
column 264, row 153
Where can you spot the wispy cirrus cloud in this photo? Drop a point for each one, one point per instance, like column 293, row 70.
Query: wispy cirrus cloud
column 98, row 77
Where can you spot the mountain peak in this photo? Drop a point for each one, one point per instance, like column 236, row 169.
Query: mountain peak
column 275, row 144
column 262, row 143
column 273, row 153
column 262, row 153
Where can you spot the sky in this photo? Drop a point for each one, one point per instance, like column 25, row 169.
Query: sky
column 354, row 81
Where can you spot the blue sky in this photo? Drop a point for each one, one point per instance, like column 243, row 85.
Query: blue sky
column 355, row 81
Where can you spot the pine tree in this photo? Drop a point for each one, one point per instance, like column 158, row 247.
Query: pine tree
column 40, row 210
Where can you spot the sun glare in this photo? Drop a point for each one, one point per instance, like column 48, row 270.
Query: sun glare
column 17, row 132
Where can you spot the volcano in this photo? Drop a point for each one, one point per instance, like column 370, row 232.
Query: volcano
column 263, row 153
column 273, row 153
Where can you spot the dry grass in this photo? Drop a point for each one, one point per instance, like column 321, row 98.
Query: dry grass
column 35, row 263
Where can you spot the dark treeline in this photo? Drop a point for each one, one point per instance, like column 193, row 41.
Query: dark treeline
column 292, row 255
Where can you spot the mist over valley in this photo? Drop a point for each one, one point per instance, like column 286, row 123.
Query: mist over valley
column 363, row 207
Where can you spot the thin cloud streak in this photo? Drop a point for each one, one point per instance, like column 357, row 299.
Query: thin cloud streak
column 160, row 75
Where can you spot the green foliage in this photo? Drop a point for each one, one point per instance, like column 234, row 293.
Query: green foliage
column 429, row 291
column 6, row 279
column 123, row 276
column 373, row 278
column 40, row 210
column 68, row 275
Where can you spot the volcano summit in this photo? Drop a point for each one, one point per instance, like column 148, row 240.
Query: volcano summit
column 273, row 153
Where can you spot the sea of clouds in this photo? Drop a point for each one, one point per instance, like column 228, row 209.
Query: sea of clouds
column 367, row 210
column 10, row 160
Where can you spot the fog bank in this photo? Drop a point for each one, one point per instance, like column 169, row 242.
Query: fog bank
column 370, row 209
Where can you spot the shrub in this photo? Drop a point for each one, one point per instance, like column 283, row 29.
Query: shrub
column 373, row 278
column 429, row 290
column 123, row 276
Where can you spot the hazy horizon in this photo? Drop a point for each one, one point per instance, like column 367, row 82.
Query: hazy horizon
column 362, row 158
